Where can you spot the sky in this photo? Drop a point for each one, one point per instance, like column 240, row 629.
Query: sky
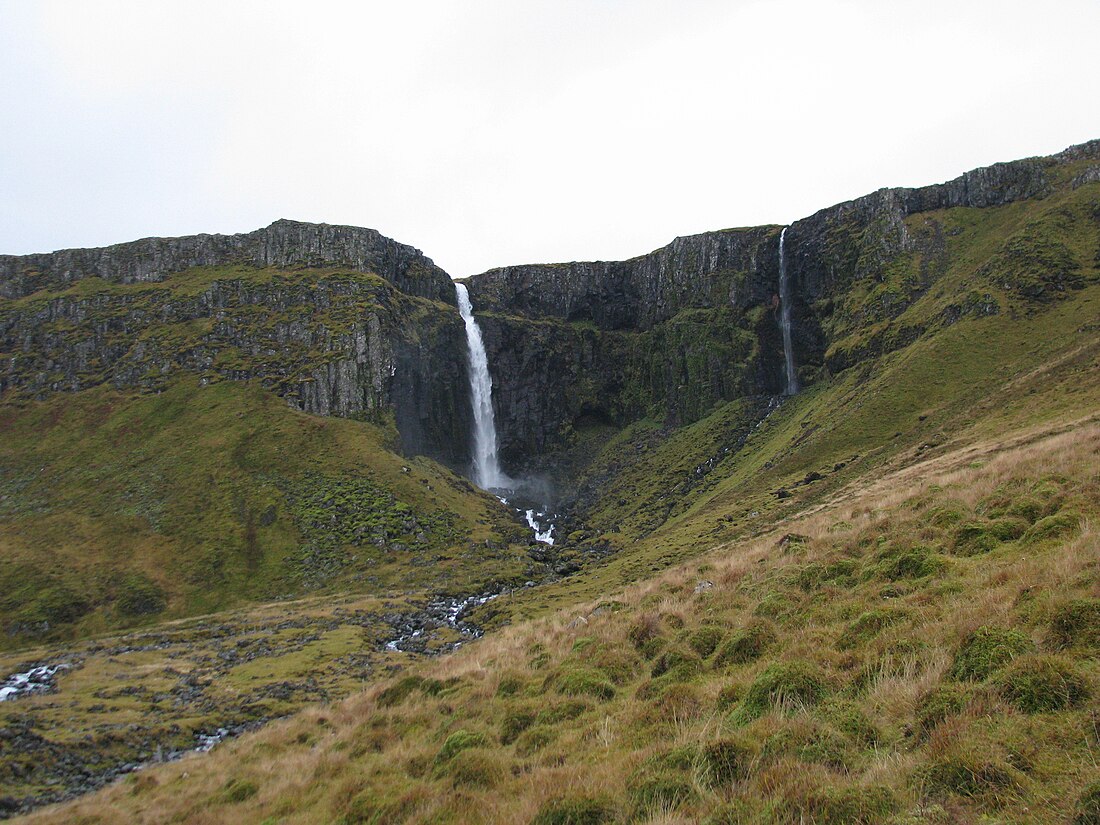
column 515, row 131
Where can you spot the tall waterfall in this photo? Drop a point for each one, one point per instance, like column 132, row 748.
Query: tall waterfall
column 785, row 316
column 487, row 474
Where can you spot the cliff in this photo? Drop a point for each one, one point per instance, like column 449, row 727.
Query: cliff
column 670, row 334
column 298, row 308
column 284, row 244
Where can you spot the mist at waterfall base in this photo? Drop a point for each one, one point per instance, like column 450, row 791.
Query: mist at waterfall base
column 529, row 497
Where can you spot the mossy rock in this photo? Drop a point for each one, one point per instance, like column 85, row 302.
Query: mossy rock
column 1087, row 809
column 1042, row 684
column 782, row 686
column 705, row 640
column 986, row 651
column 747, row 644
column 940, row 703
column 576, row 810
column 1076, row 624
column 459, row 741
column 1057, row 526
column 866, row 626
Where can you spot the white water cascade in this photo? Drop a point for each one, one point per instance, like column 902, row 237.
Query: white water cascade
column 487, row 474
column 785, row 317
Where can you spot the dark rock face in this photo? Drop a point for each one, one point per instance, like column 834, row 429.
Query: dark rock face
column 671, row 333
column 700, row 271
column 331, row 343
column 284, row 244
column 665, row 335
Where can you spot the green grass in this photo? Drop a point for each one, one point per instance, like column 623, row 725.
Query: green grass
column 118, row 508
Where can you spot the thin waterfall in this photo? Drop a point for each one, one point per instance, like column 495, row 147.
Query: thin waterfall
column 487, row 474
column 785, row 316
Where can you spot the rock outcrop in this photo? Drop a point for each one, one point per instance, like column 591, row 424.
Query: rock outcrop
column 295, row 307
column 284, row 244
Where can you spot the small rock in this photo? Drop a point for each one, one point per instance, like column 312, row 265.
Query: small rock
column 704, row 586
column 580, row 621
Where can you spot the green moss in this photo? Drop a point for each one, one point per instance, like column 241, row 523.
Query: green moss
column 727, row 760
column 853, row 805
column 1076, row 624
column 677, row 665
column 967, row 773
column 535, row 739
column 475, row 768
column 746, row 644
column 237, row 790
column 705, row 640
column 915, row 563
column 1052, row 527
column 987, row 650
column 784, row 686
column 582, row 682
column 576, row 810
column 459, row 741
column 659, row 790
column 398, row 692
column 1042, row 684
column 1087, row 809
column 514, row 724
column 940, row 703
column 866, row 626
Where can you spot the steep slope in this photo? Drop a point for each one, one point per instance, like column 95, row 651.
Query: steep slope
column 924, row 651
column 945, row 334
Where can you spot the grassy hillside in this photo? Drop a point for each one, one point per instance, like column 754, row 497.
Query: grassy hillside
column 930, row 375
column 117, row 508
column 923, row 651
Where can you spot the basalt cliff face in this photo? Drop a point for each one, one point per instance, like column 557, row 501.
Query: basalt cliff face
column 342, row 321
column 670, row 334
column 338, row 320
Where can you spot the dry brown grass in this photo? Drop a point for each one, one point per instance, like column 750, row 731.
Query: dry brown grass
column 314, row 766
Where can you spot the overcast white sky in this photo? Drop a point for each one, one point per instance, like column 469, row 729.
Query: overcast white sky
column 492, row 133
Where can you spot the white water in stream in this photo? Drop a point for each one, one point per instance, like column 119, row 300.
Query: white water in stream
column 785, row 316
column 487, row 474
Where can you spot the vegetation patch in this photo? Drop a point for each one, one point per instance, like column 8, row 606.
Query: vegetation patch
column 987, row 650
column 1042, row 684
column 785, row 686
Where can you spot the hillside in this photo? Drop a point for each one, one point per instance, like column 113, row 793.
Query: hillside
column 228, row 490
column 923, row 651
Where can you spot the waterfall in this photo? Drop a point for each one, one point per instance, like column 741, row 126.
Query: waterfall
column 785, row 316
column 487, row 474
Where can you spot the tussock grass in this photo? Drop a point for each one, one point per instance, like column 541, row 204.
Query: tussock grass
column 956, row 695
